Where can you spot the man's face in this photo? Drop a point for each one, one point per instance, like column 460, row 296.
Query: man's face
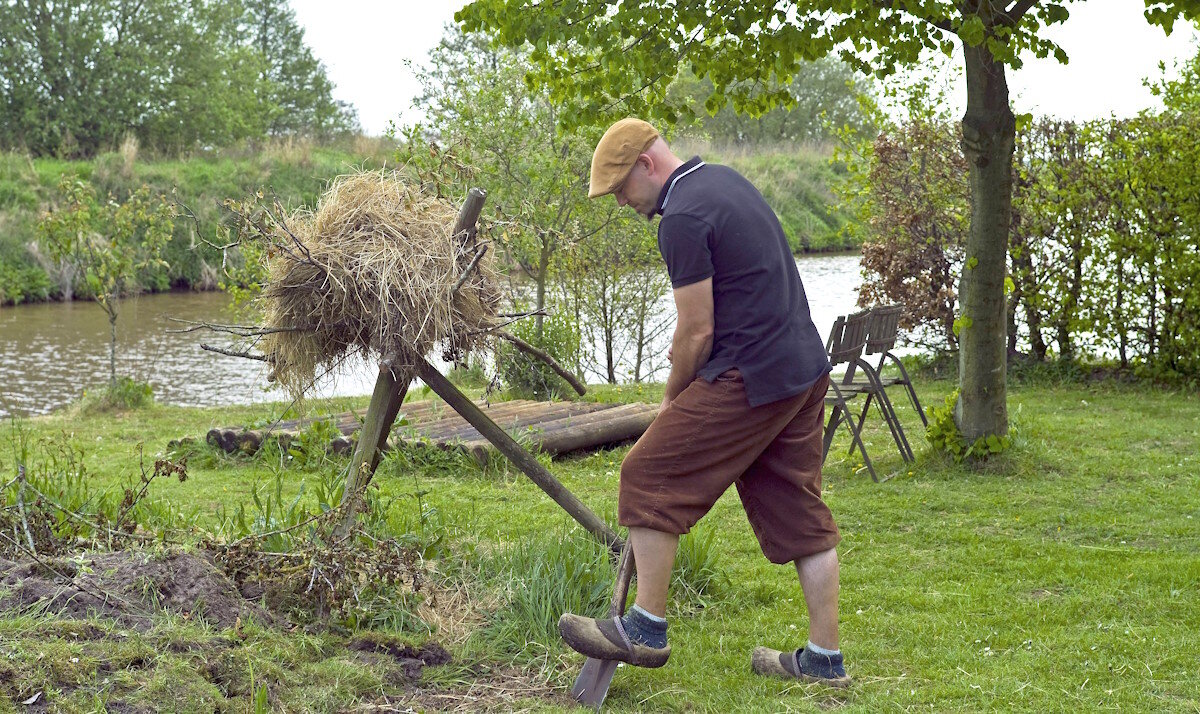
column 638, row 191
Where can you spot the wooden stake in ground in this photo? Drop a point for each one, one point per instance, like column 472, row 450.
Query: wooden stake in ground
column 390, row 388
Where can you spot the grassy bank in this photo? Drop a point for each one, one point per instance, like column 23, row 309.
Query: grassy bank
column 295, row 170
column 794, row 178
column 1062, row 576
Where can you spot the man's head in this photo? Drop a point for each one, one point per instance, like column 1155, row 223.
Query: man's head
column 632, row 162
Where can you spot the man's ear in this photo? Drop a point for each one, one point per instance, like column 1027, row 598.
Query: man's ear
column 647, row 162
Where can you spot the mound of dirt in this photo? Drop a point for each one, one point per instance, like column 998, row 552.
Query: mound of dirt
column 411, row 659
column 128, row 586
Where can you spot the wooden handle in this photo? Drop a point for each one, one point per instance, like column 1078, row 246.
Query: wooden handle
column 468, row 215
column 624, row 574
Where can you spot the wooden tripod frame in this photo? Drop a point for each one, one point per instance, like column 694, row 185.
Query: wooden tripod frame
column 390, row 389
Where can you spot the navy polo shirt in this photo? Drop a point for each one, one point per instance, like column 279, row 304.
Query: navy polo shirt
column 716, row 224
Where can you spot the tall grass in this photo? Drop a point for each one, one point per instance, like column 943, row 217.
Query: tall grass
column 542, row 576
column 795, row 179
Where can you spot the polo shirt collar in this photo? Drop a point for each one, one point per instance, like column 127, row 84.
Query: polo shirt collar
column 684, row 168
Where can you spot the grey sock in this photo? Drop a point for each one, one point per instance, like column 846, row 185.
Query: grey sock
column 644, row 631
column 821, row 650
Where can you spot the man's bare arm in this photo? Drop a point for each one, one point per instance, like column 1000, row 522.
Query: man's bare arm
column 693, row 339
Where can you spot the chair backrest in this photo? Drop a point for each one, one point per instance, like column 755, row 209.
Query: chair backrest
column 882, row 328
column 848, row 338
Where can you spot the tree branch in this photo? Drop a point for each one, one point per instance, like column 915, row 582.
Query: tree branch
column 470, row 267
column 239, row 330
column 545, row 357
column 1013, row 15
column 232, row 353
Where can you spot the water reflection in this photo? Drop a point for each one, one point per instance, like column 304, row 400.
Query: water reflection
column 51, row 353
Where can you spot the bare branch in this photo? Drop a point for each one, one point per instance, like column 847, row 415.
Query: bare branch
column 232, row 353
column 545, row 357
column 239, row 330
column 21, row 507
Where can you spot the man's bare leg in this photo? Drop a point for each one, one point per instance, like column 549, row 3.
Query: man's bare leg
column 819, row 580
column 654, row 556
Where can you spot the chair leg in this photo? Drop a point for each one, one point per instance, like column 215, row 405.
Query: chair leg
column 834, row 416
column 885, row 406
column 855, row 431
column 863, row 415
column 912, row 393
column 888, row 412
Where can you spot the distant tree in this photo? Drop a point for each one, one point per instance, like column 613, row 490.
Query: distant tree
column 905, row 186
column 296, row 87
column 824, row 96
column 483, row 118
column 108, row 242
column 216, row 93
column 76, row 76
column 613, row 282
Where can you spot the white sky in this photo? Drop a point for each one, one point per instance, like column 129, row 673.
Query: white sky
column 364, row 45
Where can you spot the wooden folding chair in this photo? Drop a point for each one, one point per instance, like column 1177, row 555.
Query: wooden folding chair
column 881, row 338
column 881, row 334
column 845, row 346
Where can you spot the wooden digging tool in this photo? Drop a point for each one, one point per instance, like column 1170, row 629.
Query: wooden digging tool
column 592, row 684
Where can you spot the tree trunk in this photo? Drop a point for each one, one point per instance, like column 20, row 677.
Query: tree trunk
column 112, row 349
column 988, row 134
column 542, row 276
column 1119, row 311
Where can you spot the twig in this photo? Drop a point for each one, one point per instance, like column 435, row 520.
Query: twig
column 281, row 531
column 72, row 514
column 470, row 267
column 145, row 487
column 239, row 330
column 21, row 507
column 519, row 315
column 232, row 353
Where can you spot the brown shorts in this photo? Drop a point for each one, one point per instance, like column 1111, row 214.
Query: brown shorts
column 710, row 437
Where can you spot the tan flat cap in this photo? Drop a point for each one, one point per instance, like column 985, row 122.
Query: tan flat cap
column 617, row 152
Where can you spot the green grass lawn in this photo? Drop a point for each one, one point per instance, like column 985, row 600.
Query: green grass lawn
column 1062, row 575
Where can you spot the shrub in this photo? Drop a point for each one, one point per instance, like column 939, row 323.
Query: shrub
column 530, row 378
column 944, row 435
column 127, row 393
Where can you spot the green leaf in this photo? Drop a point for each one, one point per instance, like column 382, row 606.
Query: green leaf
column 972, row 30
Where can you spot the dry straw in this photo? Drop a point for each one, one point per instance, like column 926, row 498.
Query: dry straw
column 373, row 274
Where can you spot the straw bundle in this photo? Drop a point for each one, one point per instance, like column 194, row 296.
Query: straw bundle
column 371, row 271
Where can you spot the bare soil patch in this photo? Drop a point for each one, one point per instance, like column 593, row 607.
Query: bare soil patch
column 128, row 586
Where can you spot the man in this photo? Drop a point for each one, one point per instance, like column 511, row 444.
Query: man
column 744, row 403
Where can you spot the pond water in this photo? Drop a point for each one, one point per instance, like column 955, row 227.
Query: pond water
column 50, row 353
